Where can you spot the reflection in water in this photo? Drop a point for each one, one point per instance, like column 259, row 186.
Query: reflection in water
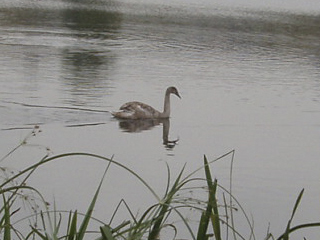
column 82, row 74
column 169, row 144
column 146, row 124
column 80, row 36
column 98, row 21
column 83, row 66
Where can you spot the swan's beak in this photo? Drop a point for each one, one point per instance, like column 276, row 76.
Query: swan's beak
column 178, row 95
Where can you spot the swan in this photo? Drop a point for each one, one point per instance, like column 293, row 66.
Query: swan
column 139, row 110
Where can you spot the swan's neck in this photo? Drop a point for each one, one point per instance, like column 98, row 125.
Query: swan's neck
column 166, row 107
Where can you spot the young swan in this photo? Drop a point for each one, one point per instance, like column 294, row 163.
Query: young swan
column 138, row 110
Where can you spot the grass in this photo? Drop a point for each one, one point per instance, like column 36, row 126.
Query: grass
column 215, row 221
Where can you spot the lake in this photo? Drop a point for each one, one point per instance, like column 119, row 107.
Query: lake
column 248, row 75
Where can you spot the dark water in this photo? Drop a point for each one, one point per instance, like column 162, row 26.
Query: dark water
column 249, row 80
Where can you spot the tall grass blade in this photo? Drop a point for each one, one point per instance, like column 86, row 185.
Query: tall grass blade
column 203, row 224
column 289, row 229
column 85, row 222
column 43, row 237
column 122, row 225
column 205, row 216
column 287, row 232
column 297, row 204
column 106, row 233
column 72, row 226
column 56, row 224
column 168, row 179
column 212, row 207
column 215, row 220
column 143, row 221
column 164, row 208
column 7, row 224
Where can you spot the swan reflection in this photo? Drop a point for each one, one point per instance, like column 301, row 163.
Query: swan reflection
column 147, row 124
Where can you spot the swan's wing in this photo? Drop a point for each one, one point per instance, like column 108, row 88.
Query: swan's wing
column 138, row 110
column 123, row 114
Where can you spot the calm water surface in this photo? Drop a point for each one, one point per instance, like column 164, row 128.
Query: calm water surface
column 249, row 79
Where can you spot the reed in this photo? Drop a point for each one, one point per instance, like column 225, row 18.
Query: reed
column 148, row 225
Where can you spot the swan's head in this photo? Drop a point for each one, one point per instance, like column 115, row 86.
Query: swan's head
column 174, row 91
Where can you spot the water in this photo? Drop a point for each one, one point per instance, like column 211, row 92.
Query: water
column 248, row 75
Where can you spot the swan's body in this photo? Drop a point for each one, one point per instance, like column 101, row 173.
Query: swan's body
column 139, row 110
